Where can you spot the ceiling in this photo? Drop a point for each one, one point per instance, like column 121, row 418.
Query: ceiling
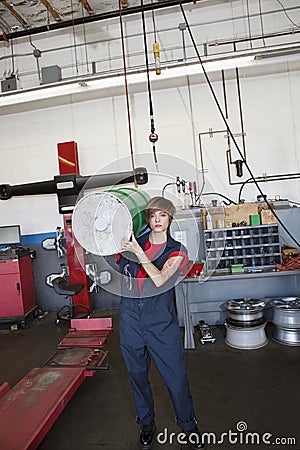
column 24, row 17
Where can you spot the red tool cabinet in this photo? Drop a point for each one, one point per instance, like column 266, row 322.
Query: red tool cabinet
column 17, row 296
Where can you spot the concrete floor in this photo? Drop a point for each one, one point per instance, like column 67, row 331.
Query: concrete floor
column 258, row 387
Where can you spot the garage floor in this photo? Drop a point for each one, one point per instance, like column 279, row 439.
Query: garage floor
column 258, row 387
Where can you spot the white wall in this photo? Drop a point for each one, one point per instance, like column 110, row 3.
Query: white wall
column 271, row 108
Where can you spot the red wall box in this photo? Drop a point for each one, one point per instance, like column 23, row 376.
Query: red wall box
column 17, row 296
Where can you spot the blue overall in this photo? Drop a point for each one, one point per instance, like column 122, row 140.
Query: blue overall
column 149, row 328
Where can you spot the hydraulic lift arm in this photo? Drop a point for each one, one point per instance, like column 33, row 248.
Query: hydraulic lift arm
column 67, row 187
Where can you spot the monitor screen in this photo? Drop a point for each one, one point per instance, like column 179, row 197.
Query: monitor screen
column 10, row 235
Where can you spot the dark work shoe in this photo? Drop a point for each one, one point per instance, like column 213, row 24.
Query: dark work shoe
column 194, row 439
column 147, row 433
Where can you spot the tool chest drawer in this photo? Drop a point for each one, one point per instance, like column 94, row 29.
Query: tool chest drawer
column 9, row 266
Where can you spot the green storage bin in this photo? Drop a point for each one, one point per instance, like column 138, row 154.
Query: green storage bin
column 254, row 219
column 237, row 268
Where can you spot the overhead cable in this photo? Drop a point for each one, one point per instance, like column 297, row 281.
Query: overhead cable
column 227, row 124
column 153, row 136
column 153, row 21
column 127, row 93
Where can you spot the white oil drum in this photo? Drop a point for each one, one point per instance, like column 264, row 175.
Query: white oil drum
column 101, row 219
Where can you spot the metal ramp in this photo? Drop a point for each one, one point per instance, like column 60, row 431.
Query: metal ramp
column 90, row 333
column 29, row 409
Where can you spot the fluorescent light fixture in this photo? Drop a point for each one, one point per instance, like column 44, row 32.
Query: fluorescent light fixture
column 284, row 53
column 209, row 66
column 83, row 86
column 229, row 63
column 89, row 85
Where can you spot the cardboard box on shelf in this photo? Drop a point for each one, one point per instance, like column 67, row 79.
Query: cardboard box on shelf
column 240, row 213
column 263, row 205
column 288, row 253
column 217, row 215
column 221, row 217
column 266, row 214
column 267, row 217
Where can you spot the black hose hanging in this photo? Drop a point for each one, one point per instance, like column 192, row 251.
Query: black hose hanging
column 230, row 202
column 153, row 138
column 127, row 95
column 156, row 51
column 228, row 127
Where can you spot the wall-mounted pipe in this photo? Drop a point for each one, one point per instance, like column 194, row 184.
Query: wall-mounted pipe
column 266, row 178
column 253, row 38
column 238, row 162
column 205, row 133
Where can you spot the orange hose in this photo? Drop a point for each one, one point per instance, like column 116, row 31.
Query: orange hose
column 291, row 264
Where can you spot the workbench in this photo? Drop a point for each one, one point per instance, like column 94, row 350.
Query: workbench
column 204, row 298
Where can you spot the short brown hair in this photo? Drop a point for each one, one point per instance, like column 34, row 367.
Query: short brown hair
column 161, row 204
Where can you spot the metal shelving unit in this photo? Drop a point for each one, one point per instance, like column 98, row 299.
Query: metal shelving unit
column 256, row 247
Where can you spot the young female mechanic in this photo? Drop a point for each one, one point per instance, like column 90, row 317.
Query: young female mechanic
column 148, row 323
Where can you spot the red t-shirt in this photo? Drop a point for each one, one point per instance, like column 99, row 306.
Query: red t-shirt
column 150, row 251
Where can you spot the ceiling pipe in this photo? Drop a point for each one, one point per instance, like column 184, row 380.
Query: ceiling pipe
column 239, row 40
column 89, row 19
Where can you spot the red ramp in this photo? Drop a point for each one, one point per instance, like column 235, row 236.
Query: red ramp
column 29, row 409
